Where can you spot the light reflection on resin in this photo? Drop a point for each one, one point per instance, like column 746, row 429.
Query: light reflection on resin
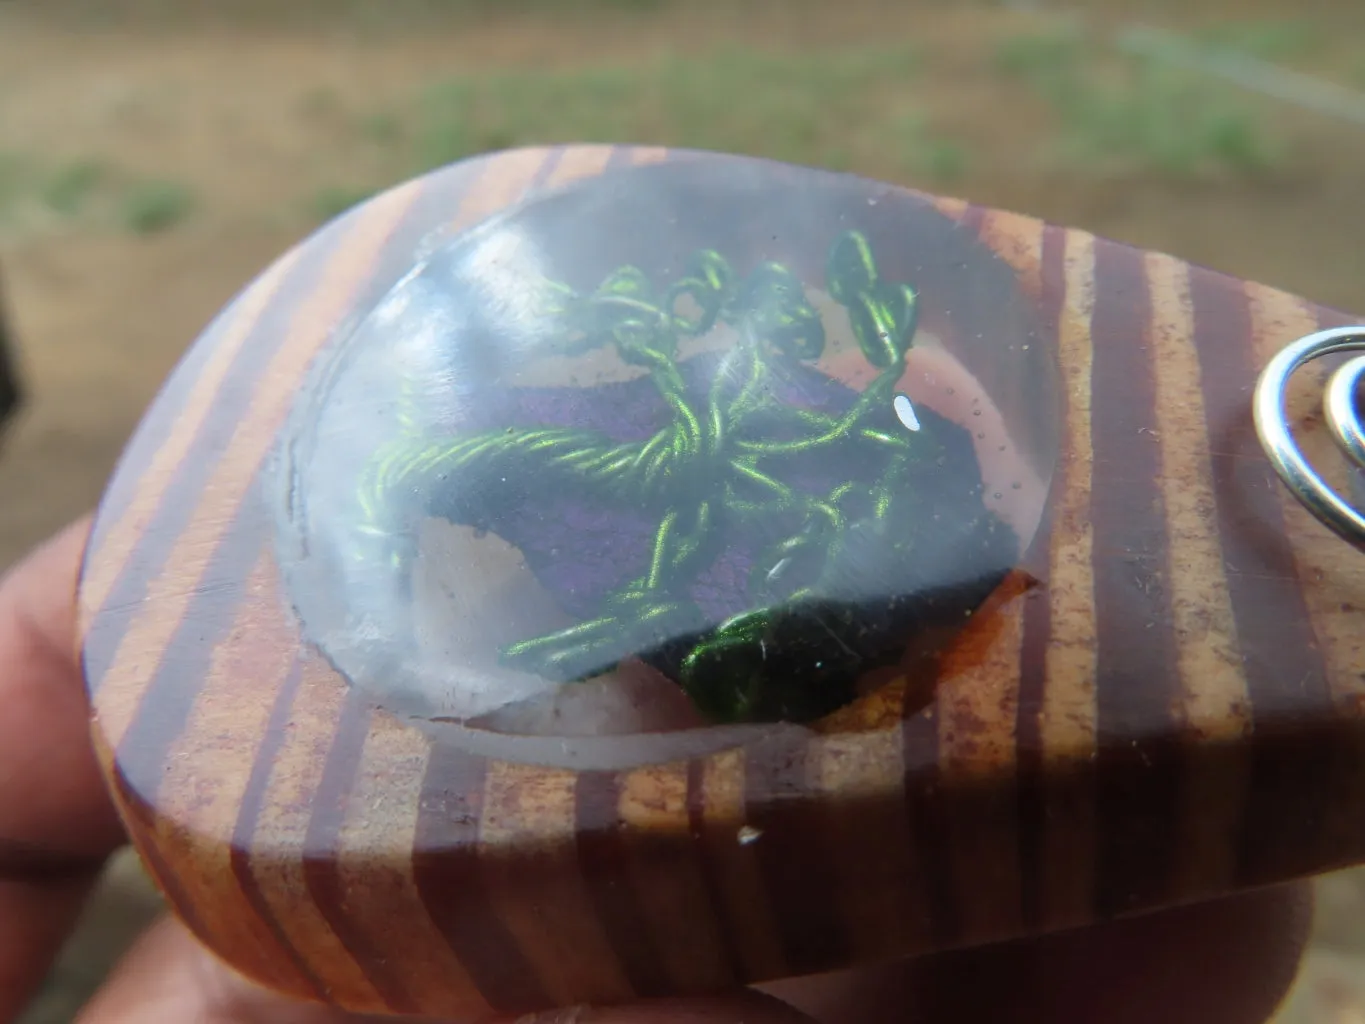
column 696, row 449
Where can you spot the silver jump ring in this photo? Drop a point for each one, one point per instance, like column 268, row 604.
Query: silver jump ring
column 1339, row 409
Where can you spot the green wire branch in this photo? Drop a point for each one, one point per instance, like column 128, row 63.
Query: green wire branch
column 702, row 473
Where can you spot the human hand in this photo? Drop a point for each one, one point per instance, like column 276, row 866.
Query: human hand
column 1228, row 962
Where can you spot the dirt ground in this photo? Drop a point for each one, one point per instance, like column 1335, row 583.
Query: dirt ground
column 227, row 102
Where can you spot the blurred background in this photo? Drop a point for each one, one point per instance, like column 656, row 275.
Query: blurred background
column 156, row 154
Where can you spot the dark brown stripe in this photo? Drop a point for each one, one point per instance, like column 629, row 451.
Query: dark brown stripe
column 972, row 218
column 163, row 528
column 929, row 822
column 933, row 825
column 1029, row 740
column 156, row 424
column 165, row 705
column 1286, row 681
column 158, row 536
column 621, row 157
column 699, row 828
column 322, row 841
column 157, row 867
column 604, row 859
column 164, row 709
column 794, row 859
column 170, row 403
column 547, row 168
column 244, row 831
column 446, row 869
column 1137, row 675
column 1033, row 808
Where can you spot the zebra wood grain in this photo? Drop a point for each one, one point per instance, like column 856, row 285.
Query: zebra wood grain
column 1174, row 714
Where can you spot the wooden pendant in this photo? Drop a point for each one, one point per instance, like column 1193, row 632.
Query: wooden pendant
column 594, row 573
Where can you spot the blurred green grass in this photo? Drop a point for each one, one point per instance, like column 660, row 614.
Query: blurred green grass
column 820, row 107
column 838, row 109
column 1272, row 40
column 875, row 108
column 363, row 15
column 88, row 190
column 1140, row 113
column 69, row 188
column 843, row 109
column 153, row 206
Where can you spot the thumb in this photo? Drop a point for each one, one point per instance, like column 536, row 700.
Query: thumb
column 168, row 976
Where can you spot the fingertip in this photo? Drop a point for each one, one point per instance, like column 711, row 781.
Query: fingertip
column 39, row 592
column 53, row 796
column 168, row 976
column 1231, row 960
column 57, row 824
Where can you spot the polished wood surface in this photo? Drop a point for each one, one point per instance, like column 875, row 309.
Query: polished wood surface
column 1175, row 712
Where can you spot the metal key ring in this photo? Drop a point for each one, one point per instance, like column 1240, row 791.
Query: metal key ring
column 1339, row 409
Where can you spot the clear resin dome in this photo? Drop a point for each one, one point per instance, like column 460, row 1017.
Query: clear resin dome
column 697, row 446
